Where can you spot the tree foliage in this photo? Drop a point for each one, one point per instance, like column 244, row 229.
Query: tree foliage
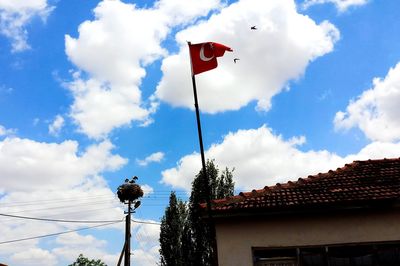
column 186, row 238
column 83, row 261
column 221, row 186
column 171, row 233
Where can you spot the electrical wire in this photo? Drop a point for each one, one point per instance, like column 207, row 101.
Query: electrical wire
column 56, row 234
column 55, row 200
column 141, row 222
column 165, row 193
column 74, row 221
column 63, row 206
column 59, row 220
column 140, row 242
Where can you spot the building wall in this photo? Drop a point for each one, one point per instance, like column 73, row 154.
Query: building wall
column 237, row 236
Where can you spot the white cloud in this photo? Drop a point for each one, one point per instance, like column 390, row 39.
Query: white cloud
column 278, row 52
column 146, row 257
column 15, row 15
column 52, row 165
column 74, row 244
column 79, row 240
column 376, row 111
column 98, row 108
column 52, row 180
column 56, row 126
column 6, row 90
column 33, row 256
column 261, row 158
column 154, row 157
column 147, row 237
column 56, row 181
column 6, row 132
column 92, row 200
column 147, row 190
column 114, row 50
column 341, row 5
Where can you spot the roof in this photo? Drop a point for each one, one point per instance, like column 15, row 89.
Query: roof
column 358, row 184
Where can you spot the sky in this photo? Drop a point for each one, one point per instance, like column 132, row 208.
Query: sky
column 96, row 91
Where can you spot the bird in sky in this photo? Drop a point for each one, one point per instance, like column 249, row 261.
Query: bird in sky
column 236, row 59
column 253, row 28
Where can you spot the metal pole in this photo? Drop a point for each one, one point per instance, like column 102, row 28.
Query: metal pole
column 122, row 254
column 205, row 176
column 203, row 160
column 128, row 237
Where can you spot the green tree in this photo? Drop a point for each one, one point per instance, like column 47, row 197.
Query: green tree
column 200, row 233
column 83, row 261
column 172, row 232
column 185, row 236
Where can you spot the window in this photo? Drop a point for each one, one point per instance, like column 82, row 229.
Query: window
column 378, row 254
column 277, row 262
column 360, row 255
column 312, row 256
column 275, row 257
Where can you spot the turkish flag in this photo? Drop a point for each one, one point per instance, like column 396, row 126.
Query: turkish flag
column 204, row 55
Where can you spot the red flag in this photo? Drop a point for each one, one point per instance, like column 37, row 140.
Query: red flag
column 204, row 55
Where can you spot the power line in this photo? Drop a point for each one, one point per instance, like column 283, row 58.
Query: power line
column 142, row 222
column 74, row 221
column 59, row 220
column 55, row 234
column 55, row 200
column 64, row 206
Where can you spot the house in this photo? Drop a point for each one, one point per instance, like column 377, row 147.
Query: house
column 350, row 216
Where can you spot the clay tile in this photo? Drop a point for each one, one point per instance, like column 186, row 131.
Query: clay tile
column 241, row 194
column 266, row 188
column 254, row 191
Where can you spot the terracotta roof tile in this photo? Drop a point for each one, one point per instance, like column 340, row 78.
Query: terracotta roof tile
column 358, row 183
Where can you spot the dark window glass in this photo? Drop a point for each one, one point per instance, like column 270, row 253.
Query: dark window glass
column 312, row 256
column 388, row 255
column 351, row 255
column 346, row 255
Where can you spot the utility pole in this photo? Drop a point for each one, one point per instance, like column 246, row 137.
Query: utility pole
column 127, row 261
column 129, row 193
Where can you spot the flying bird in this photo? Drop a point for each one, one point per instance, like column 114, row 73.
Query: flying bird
column 253, row 28
column 236, row 59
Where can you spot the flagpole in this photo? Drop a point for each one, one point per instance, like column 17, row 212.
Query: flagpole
column 203, row 160
column 203, row 163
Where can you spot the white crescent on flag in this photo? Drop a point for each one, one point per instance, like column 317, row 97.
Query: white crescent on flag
column 202, row 56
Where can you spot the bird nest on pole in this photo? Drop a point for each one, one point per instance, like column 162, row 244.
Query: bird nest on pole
column 129, row 191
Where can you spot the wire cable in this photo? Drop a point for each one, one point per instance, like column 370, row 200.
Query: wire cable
column 60, row 220
column 63, row 206
column 75, row 221
column 55, row 200
column 142, row 222
column 56, row 234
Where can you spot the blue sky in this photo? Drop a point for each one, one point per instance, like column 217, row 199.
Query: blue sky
column 93, row 92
